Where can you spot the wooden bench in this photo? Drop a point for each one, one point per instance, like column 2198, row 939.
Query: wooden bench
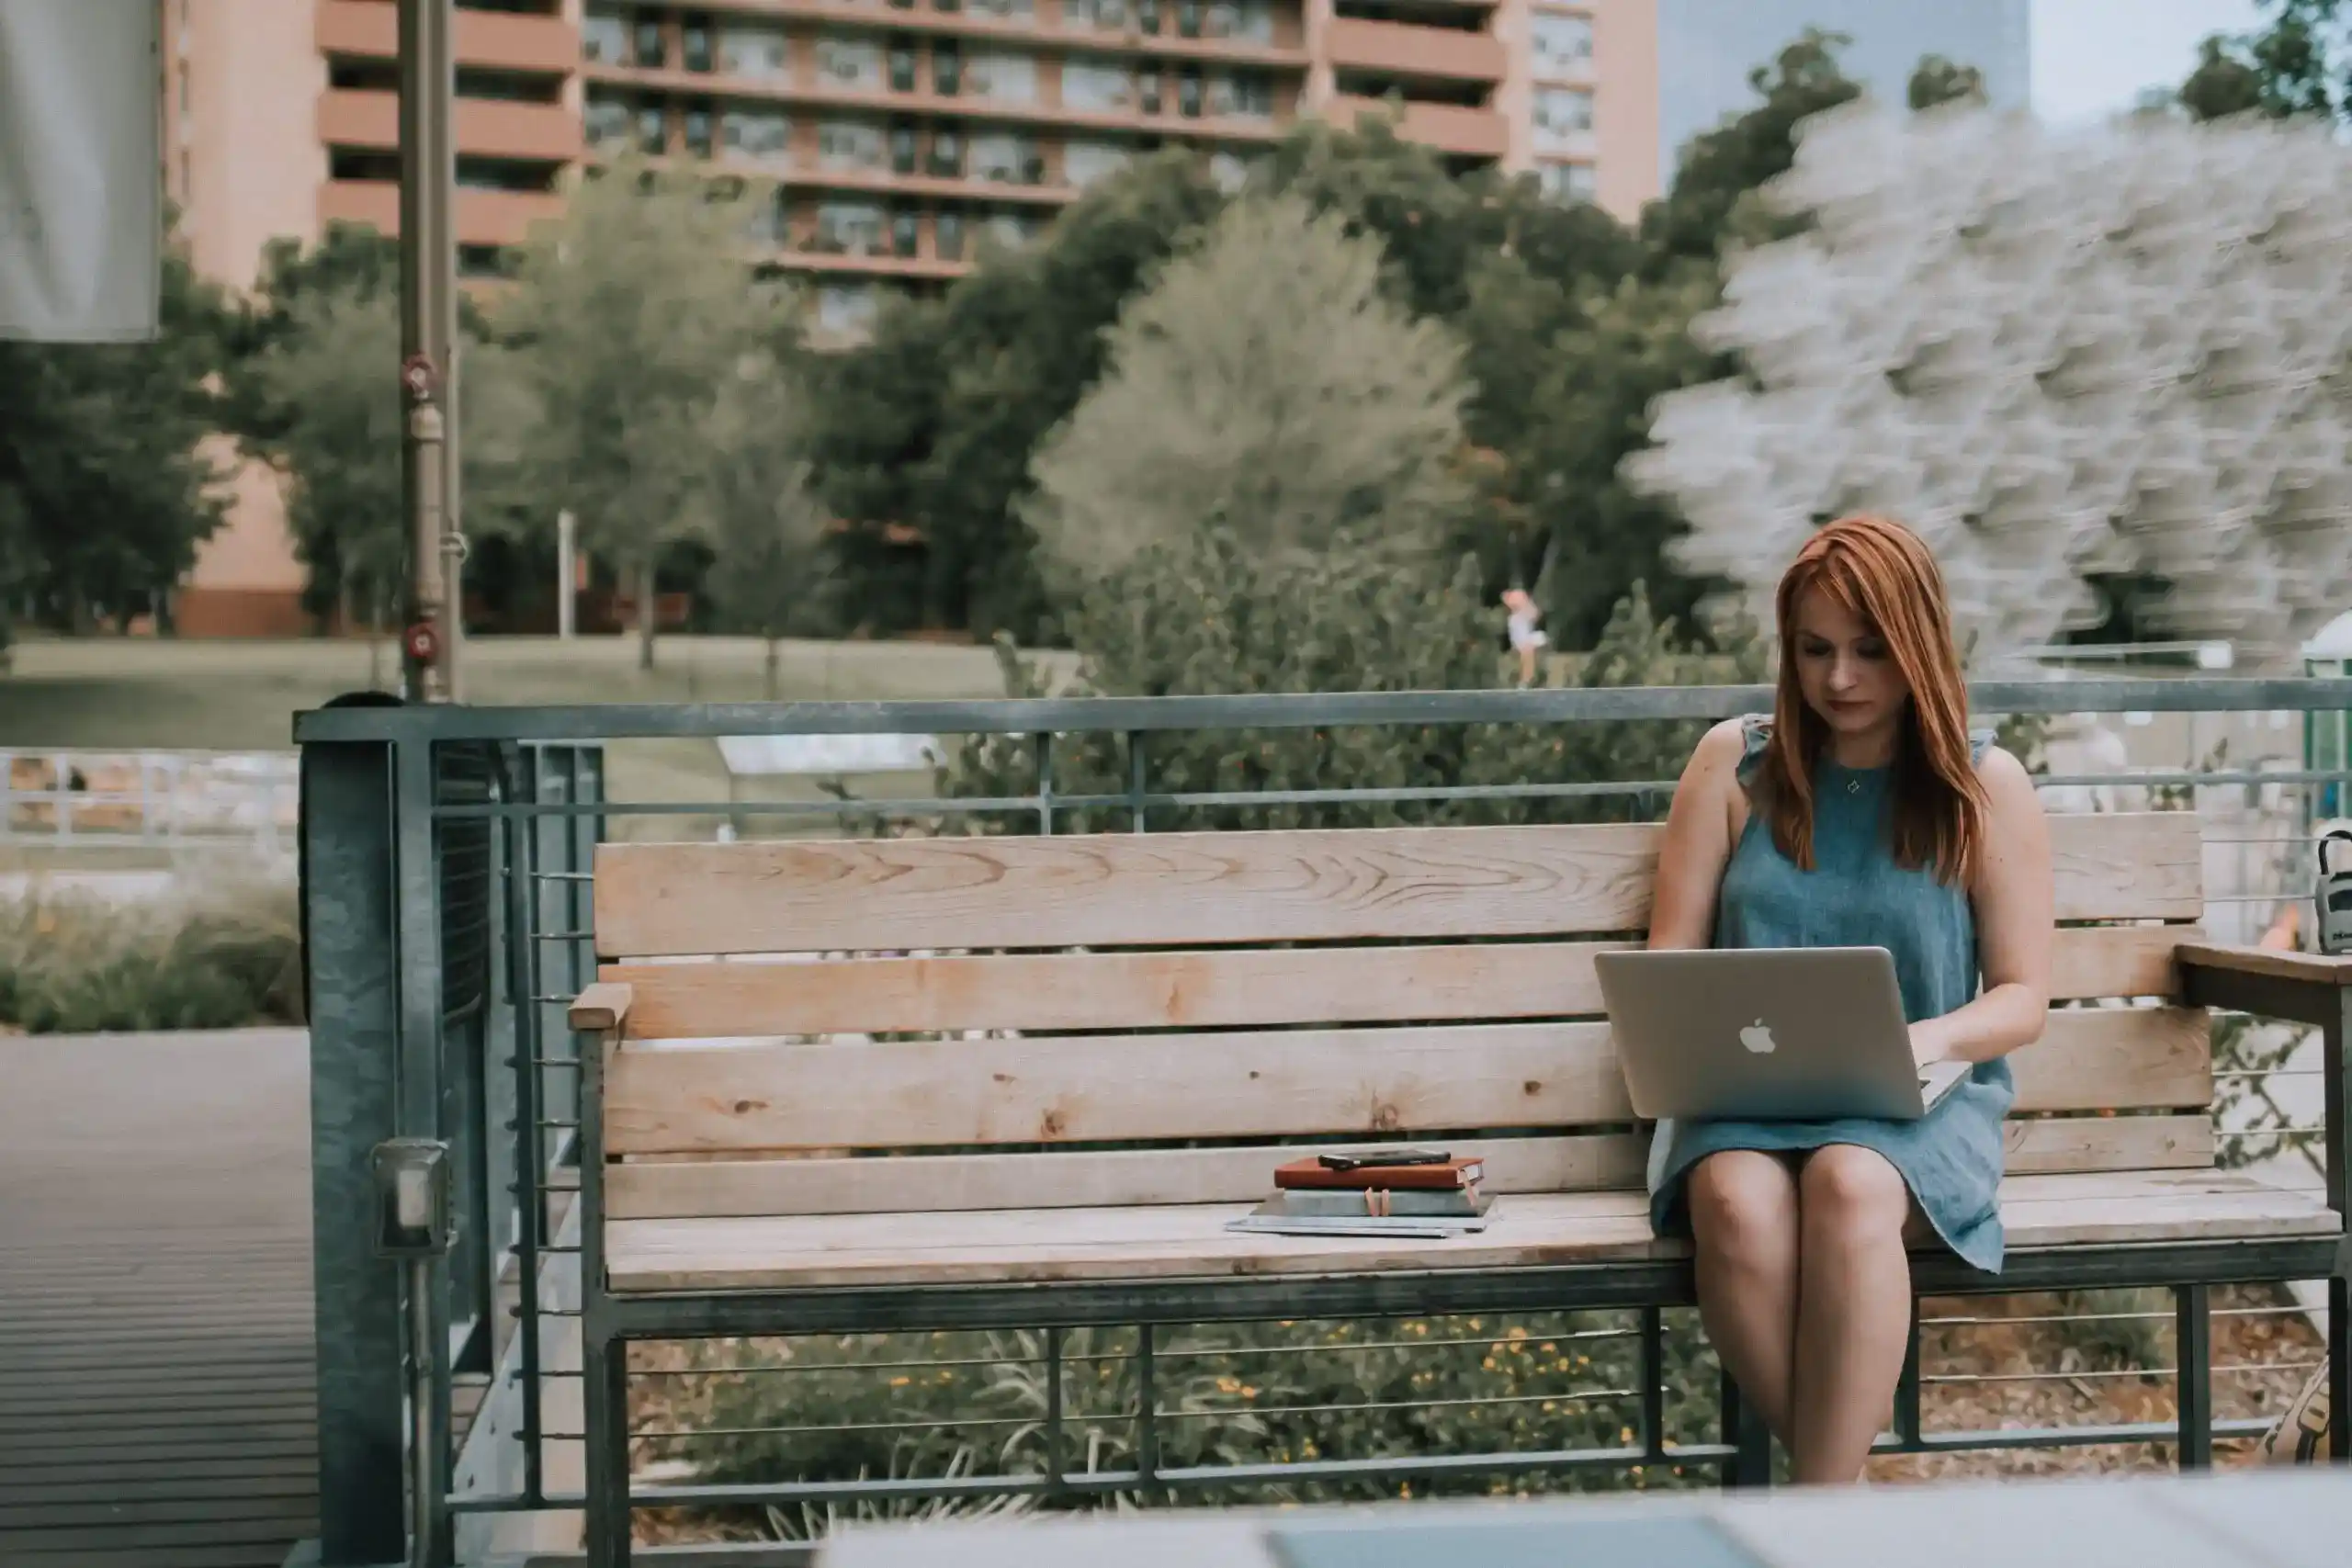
column 1069, row 1061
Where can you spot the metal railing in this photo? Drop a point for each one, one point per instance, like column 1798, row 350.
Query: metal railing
column 449, row 899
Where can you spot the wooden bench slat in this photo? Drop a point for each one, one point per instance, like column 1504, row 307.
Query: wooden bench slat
column 1530, row 1230
column 671, row 1098
column 1109, row 1178
column 1222, row 987
column 1134, row 889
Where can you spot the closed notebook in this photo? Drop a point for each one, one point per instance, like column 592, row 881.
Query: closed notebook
column 1407, row 1202
column 1312, row 1173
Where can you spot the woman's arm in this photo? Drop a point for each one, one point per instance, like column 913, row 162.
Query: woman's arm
column 2014, row 901
column 1698, row 841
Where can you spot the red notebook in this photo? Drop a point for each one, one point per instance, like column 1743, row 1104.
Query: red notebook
column 1311, row 1172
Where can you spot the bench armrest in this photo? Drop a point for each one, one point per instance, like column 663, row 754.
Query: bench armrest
column 2312, row 969
column 2303, row 987
column 600, row 1008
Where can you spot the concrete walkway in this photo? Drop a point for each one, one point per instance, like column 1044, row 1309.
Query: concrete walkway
column 157, row 1399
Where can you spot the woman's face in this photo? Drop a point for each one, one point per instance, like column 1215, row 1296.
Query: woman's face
column 1844, row 670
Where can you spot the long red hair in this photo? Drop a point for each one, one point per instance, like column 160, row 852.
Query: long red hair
column 1879, row 572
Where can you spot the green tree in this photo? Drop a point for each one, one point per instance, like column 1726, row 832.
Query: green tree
column 766, row 524
column 1938, row 81
column 106, row 489
column 627, row 318
column 1265, row 387
column 331, row 380
column 934, row 424
column 2299, row 65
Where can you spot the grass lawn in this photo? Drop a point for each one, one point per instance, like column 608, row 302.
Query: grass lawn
column 123, row 693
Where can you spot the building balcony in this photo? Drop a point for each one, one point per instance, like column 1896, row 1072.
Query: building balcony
column 957, row 106
column 804, row 257
column 491, row 39
column 483, row 217
column 1394, row 48
column 486, row 128
column 1467, row 132
column 1286, row 48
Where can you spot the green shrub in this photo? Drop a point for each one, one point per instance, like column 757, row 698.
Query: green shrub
column 222, row 959
column 1211, row 616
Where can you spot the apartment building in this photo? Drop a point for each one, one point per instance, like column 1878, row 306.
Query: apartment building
column 898, row 137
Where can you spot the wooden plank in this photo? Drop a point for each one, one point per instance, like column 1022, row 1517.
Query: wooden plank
column 1221, row 989
column 1216, row 889
column 1121, row 889
column 676, row 1099
column 2312, row 969
column 1118, row 1178
column 1529, row 1230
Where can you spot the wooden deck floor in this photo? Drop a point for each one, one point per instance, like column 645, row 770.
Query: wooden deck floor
column 156, row 1372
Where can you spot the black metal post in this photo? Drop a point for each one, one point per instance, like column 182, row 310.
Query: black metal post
column 2193, row 1346
column 1750, row 1440
column 2336, row 1043
column 421, row 1105
column 352, row 968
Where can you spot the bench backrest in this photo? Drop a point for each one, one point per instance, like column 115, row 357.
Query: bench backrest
column 1009, row 1019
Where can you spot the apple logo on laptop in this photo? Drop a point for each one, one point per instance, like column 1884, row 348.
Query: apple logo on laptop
column 1756, row 1038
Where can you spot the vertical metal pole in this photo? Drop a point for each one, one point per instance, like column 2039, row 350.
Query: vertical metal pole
column 1044, row 747
column 2335, row 1045
column 1135, row 766
column 1653, row 1385
column 1907, row 1421
column 418, row 906
column 2193, row 1342
column 567, row 575
column 604, row 1357
column 353, row 970
column 1056, row 1461
column 428, row 341
column 1148, row 1406
column 424, row 1484
column 530, row 1200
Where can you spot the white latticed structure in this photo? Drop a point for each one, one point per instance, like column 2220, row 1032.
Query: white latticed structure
column 2122, row 349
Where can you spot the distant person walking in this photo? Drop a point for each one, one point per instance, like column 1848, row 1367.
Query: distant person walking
column 1526, row 638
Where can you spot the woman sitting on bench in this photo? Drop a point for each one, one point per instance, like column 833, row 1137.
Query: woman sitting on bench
column 1860, row 816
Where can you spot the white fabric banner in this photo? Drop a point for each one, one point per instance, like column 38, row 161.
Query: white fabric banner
column 81, row 177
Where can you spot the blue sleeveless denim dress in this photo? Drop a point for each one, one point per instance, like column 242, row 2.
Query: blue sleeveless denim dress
column 1857, row 896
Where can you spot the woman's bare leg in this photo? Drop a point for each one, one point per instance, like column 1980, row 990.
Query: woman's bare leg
column 1854, row 1320
column 1744, row 1219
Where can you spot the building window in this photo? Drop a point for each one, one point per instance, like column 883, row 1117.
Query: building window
column 849, row 64
column 1083, row 162
column 846, row 310
column 652, row 46
column 947, row 236
column 604, row 39
column 610, row 121
column 902, row 65
column 694, row 45
column 906, row 232
column 1563, row 45
column 1007, row 159
column 904, row 148
column 699, row 132
column 1002, row 76
column 848, row 227
column 1148, row 18
column 754, row 51
column 1147, row 89
column 757, row 135
column 1188, row 92
column 1095, row 16
column 1563, row 117
column 507, row 86
column 1567, row 182
column 946, row 153
column 1005, row 10
column 946, row 68
column 652, row 130
column 1250, row 19
column 771, row 220
column 504, row 173
column 482, row 261
column 1188, row 18
column 1097, row 88
column 1240, row 95
column 851, row 144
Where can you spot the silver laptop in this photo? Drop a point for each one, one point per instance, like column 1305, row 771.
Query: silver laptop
column 1766, row 1035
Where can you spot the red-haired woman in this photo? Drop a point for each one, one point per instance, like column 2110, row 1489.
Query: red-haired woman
column 1860, row 815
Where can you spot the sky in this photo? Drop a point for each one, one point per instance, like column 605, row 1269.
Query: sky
column 2092, row 57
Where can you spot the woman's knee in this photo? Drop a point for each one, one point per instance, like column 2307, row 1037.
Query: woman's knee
column 1742, row 1201
column 1853, row 1190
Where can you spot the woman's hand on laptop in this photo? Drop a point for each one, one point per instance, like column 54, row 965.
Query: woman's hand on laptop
column 1930, row 1042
